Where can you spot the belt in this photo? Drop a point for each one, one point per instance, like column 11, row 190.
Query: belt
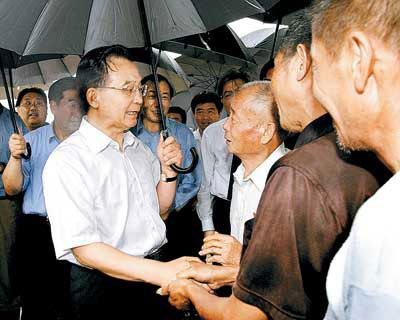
column 160, row 255
column 37, row 217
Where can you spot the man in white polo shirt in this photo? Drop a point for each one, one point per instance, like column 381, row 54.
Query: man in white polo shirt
column 105, row 191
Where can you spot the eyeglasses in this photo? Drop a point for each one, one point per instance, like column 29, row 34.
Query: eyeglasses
column 29, row 104
column 130, row 91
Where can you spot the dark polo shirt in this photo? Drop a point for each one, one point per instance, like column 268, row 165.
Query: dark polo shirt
column 304, row 216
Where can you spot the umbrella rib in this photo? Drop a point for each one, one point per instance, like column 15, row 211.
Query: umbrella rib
column 37, row 20
column 87, row 26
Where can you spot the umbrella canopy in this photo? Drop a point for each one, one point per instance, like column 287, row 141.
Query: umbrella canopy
column 206, row 74
column 261, row 42
column 43, row 73
column 221, row 45
column 77, row 26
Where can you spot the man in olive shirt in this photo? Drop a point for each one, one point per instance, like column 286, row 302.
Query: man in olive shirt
column 304, row 215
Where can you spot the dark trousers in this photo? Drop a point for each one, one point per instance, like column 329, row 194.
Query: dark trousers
column 184, row 233
column 44, row 280
column 9, row 293
column 95, row 295
column 221, row 212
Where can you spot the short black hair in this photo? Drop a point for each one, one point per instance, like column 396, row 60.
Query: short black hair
column 265, row 68
column 178, row 110
column 29, row 90
column 160, row 78
column 94, row 66
column 57, row 89
column 229, row 76
column 206, row 97
column 299, row 32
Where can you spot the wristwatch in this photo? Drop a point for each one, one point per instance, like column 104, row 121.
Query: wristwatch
column 164, row 178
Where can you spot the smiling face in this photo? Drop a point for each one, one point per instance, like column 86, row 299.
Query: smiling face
column 33, row 110
column 150, row 106
column 119, row 109
column 333, row 86
column 205, row 114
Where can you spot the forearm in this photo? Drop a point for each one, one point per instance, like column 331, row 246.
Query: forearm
column 226, row 275
column 208, row 306
column 117, row 264
column 13, row 178
column 166, row 195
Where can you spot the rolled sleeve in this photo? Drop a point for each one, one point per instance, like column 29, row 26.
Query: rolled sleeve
column 72, row 223
column 284, row 266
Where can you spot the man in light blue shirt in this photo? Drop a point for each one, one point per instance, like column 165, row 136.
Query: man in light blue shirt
column 182, row 223
column 43, row 282
column 9, row 297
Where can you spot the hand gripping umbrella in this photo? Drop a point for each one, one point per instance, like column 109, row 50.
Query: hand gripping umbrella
column 153, row 65
column 11, row 60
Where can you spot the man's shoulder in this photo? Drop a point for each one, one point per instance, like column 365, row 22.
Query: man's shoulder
column 214, row 128
column 38, row 133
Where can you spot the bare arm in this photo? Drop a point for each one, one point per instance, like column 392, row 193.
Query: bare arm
column 169, row 152
column 13, row 178
column 115, row 263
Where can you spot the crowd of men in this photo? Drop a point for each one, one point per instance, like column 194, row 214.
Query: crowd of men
column 290, row 213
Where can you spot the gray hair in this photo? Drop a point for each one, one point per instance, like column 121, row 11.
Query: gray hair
column 262, row 102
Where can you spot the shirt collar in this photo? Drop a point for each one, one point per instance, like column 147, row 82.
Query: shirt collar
column 260, row 174
column 98, row 140
column 316, row 129
column 50, row 132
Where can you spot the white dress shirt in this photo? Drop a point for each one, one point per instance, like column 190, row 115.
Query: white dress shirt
column 96, row 193
column 246, row 192
column 217, row 163
column 364, row 276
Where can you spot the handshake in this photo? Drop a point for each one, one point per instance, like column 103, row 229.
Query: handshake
column 194, row 277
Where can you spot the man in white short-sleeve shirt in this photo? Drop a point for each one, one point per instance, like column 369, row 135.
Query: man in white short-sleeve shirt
column 105, row 193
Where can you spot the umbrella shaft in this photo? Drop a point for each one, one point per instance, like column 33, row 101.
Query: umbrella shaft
column 153, row 64
column 10, row 102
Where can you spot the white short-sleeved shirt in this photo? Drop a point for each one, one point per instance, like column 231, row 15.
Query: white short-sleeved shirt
column 246, row 192
column 364, row 277
column 96, row 193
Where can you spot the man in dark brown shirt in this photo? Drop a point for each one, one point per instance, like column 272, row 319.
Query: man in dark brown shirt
column 305, row 212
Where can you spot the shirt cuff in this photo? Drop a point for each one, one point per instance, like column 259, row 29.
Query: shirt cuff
column 207, row 224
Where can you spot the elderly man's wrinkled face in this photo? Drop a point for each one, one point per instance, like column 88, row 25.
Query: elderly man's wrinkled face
column 243, row 132
column 205, row 114
column 150, row 106
column 33, row 110
column 229, row 90
column 284, row 87
column 333, row 88
column 68, row 112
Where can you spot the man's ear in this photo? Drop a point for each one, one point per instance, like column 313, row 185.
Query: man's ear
column 53, row 106
column 303, row 61
column 268, row 132
column 362, row 59
column 92, row 98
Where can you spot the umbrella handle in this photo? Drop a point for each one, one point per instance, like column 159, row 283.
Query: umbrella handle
column 28, row 153
column 192, row 166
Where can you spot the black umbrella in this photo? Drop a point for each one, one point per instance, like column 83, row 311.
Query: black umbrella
column 77, row 26
column 10, row 60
